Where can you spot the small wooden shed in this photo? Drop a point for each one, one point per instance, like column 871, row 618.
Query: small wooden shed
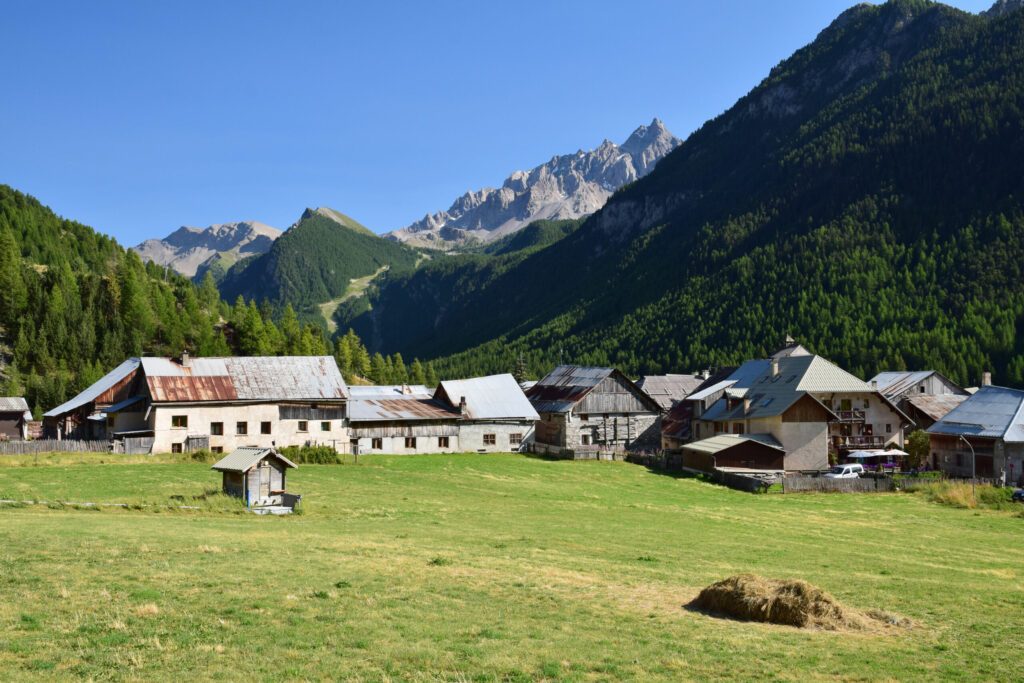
column 258, row 475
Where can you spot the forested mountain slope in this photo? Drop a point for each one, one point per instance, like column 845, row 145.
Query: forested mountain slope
column 865, row 197
column 314, row 260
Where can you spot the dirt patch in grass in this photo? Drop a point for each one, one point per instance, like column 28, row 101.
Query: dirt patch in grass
column 749, row 597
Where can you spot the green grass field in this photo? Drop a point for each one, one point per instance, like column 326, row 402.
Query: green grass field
column 473, row 567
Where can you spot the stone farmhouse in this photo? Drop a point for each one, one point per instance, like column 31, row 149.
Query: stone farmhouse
column 983, row 435
column 924, row 395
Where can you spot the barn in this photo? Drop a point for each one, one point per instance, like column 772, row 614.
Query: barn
column 588, row 412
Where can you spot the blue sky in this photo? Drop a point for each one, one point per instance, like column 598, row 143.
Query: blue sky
column 139, row 117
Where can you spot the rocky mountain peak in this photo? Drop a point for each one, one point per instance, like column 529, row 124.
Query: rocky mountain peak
column 188, row 248
column 567, row 186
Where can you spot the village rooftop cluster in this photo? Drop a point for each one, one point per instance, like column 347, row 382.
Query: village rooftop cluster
column 792, row 413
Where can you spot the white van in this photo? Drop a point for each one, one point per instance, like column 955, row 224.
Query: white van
column 848, row 471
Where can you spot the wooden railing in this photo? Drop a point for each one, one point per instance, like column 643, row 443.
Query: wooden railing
column 851, row 415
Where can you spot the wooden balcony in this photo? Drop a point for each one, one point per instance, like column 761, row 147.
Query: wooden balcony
column 858, row 442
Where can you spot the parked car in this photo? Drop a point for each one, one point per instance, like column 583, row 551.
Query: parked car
column 849, row 471
column 1018, row 496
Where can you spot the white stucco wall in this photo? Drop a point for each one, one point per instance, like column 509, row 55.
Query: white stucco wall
column 282, row 432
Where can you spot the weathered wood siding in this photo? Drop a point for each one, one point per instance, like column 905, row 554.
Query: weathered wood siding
column 234, row 484
column 53, row 446
column 402, row 429
column 612, row 395
column 10, row 425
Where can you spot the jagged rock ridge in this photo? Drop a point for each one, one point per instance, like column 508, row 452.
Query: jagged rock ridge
column 187, row 249
column 566, row 187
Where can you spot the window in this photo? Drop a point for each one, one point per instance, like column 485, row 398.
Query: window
column 241, row 428
column 442, row 442
column 719, row 427
column 698, row 430
column 737, row 428
column 377, row 444
column 179, row 421
column 959, row 459
column 585, row 439
column 303, row 426
column 216, row 429
column 888, row 429
column 490, row 439
column 845, row 404
column 584, row 417
column 866, row 404
column 216, row 449
column 325, row 426
column 515, row 439
column 264, row 427
column 410, row 442
column 175, row 448
column 921, row 389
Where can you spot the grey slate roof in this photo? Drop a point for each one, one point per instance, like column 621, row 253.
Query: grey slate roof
column 993, row 412
column 243, row 459
column 497, row 397
column 104, row 383
column 667, row 390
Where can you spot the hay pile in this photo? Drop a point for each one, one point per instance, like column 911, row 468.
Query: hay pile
column 790, row 603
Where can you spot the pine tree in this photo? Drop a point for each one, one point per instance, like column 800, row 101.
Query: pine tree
column 378, row 370
column 417, row 374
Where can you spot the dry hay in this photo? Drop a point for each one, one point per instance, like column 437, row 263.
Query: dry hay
column 749, row 597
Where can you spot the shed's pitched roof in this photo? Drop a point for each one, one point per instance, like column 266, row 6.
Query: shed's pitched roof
column 667, row 390
column 721, row 442
column 497, row 397
column 243, row 459
column 93, row 392
column 13, row 404
column 242, row 378
column 993, row 412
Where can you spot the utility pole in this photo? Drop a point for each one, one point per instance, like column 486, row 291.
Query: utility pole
column 974, row 470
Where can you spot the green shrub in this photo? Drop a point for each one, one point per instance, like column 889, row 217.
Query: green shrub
column 202, row 455
column 311, row 455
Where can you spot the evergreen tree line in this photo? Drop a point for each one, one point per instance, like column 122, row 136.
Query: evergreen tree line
column 74, row 305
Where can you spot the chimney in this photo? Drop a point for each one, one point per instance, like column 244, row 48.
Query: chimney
column 186, row 360
column 874, row 384
column 775, row 367
column 406, row 390
column 462, row 405
column 986, row 379
column 746, row 406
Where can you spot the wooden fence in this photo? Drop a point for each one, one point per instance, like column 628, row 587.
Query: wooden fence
column 53, row 445
column 799, row 484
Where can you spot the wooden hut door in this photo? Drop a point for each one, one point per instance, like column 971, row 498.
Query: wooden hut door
column 264, row 479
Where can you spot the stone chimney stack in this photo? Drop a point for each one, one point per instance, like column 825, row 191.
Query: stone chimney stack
column 406, row 390
column 775, row 367
column 186, row 360
column 874, row 384
column 746, row 406
column 462, row 405
column 986, row 379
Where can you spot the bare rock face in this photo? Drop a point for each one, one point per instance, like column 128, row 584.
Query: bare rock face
column 567, row 186
column 187, row 248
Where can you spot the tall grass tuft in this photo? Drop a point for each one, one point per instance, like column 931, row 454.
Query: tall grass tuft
column 959, row 494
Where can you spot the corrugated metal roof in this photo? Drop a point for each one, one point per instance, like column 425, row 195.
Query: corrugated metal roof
column 13, row 404
column 252, row 378
column 89, row 395
column 564, row 387
column 400, row 409
column 667, row 390
column 993, row 412
column 823, row 375
column 127, row 403
column 708, row 391
column 496, row 397
column 720, row 442
column 388, row 391
column 243, row 459
column 936, row 407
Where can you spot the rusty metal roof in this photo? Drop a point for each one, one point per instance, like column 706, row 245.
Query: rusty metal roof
column 253, row 378
column 395, row 408
column 937, row 407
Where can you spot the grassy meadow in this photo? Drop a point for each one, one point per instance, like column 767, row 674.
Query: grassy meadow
column 482, row 567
